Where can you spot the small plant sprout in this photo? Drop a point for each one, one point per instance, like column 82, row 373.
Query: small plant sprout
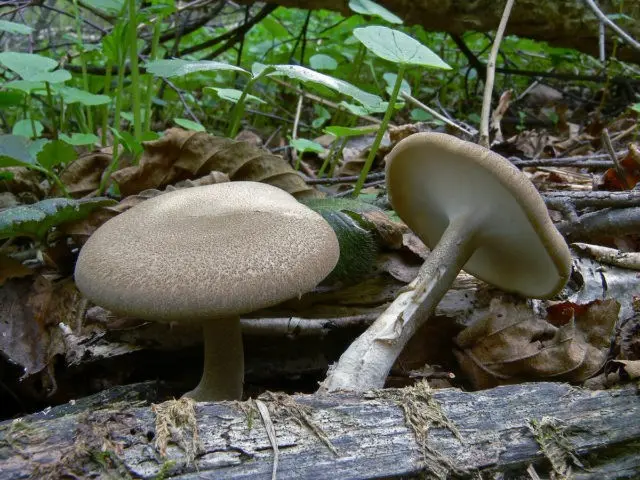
column 399, row 48
column 303, row 145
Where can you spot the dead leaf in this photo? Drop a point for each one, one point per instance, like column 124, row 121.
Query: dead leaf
column 511, row 344
column 182, row 155
column 83, row 175
column 24, row 181
column 630, row 165
column 12, row 268
column 629, row 367
column 29, row 307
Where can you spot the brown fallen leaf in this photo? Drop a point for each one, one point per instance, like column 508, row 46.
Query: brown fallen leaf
column 83, row 175
column 182, row 155
column 24, row 184
column 630, row 368
column 512, row 345
column 12, row 268
column 29, row 308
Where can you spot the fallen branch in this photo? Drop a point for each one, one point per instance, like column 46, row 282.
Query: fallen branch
column 390, row 433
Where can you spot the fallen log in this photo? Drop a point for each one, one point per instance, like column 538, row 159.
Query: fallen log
column 547, row 427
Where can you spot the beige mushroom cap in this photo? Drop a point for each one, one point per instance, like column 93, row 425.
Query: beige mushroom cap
column 433, row 177
column 205, row 252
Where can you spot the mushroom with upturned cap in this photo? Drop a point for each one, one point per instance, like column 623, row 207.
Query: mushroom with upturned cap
column 208, row 254
column 476, row 211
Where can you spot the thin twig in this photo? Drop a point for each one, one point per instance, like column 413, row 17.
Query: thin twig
column 430, row 110
column 491, row 73
column 606, row 140
column 604, row 19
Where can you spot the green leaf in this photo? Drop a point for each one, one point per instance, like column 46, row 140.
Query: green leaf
column 75, row 95
column 232, row 95
column 25, row 86
column 398, row 47
column 275, row 28
column 306, row 75
column 320, row 61
column 12, row 27
column 37, row 219
column 303, row 145
column 189, row 124
column 361, row 111
column 79, row 139
column 129, row 142
column 390, row 80
column 56, row 153
column 322, row 116
column 338, row 131
column 367, row 7
column 10, row 98
column 28, row 65
column 109, row 6
column 24, row 128
column 419, row 115
column 635, row 107
column 15, row 151
column 177, row 67
column 58, row 76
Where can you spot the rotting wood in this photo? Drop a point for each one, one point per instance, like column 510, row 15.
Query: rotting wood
column 370, row 433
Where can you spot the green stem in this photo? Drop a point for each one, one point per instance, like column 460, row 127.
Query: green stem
column 53, row 177
column 153, row 55
column 105, row 110
column 83, row 60
column 135, row 73
column 383, row 129
column 29, row 113
column 52, row 110
column 238, row 110
column 116, row 124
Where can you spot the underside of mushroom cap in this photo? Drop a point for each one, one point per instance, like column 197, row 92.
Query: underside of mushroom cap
column 434, row 177
column 205, row 252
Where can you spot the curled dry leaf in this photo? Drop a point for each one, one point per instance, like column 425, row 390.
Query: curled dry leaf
column 182, row 155
column 83, row 175
column 24, row 183
column 511, row 344
column 29, row 308
column 628, row 368
column 630, row 166
column 12, row 268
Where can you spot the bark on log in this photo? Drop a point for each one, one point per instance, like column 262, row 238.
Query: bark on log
column 562, row 23
column 479, row 435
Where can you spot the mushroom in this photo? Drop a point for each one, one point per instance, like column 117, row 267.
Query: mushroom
column 208, row 254
column 476, row 211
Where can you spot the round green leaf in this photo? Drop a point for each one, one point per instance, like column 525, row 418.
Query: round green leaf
column 320, row 61
column 232, row 95
column 398, row 47
column 189, row 125
column 78, row 139
column 304, row 145
column 367, row 7
column 59, row 76
column 12, row 27
column 15, row 151
column 25, row 129
column 27, row 65
column 55, row 153
column 75, row 95
column 177, row 67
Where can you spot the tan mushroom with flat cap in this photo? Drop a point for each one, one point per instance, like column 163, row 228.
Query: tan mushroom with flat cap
column 208, row 254
column 476, row 211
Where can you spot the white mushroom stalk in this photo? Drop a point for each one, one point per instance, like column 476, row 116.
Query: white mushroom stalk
column 476, row 211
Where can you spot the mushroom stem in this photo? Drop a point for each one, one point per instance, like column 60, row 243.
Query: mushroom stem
column 368, row 360
column 223, row 374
